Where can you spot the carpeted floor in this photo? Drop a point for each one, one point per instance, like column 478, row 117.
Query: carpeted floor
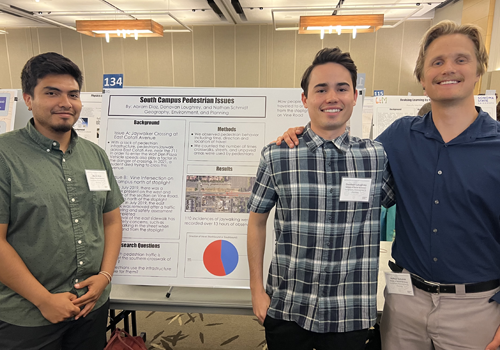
column 172, row 331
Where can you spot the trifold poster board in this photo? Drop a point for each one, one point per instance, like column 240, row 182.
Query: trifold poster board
column 87, row 126
column 186, row 160
column 8, row 102
column 387, row 109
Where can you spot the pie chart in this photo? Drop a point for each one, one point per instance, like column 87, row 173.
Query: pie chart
column 220, row 258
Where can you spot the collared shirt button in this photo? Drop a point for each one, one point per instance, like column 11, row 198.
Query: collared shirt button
column 76, row 220
column 439, row 172
column 80, row 241
column 72, row 199
column 54, row 143
column 48, row 150
column 76, row 280
column 327, row 244
column 331, row 190
column 64, row 160
column 435, row 230
column 436, row 202
column 69, row 179
column 81, row 262
column 435, row 259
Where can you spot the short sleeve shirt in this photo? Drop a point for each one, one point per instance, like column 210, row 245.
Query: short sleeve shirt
column 448, row 199
column 323, row 273
column 55, row 223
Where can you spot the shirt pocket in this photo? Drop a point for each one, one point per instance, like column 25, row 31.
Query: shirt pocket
column 99, row 200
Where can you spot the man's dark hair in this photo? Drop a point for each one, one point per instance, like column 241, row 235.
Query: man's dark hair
column 38, row 67
column 328, row 55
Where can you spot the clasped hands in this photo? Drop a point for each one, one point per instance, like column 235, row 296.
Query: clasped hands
column 61, row 306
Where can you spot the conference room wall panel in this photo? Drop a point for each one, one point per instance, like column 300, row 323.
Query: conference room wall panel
column 306, row 45
column 72, row 46
column 247, row 49
column 34, row 41
column 92, row 63
column 413, row 32
column 495, row 81
column 363, row 54
column 182, row 46
column 5, row 74
column 113, row 57
column 283, row 59
column 135, row 62
column 221, row 56
column 263, row 56
column 204, row 70
column 475, row 10
column 343, row 41
column 160, row 56
column 224, row 56
column 269, row 62
column 22, row 52
column 452, row 11
column 50, row 40
column 388, row 57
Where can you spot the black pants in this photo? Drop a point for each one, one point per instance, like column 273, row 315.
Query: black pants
column 86, row 333
column 287, row 335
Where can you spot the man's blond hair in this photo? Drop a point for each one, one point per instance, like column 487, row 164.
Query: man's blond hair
column 447, row 28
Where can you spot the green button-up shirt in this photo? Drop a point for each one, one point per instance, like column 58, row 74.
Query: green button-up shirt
column 55, row 223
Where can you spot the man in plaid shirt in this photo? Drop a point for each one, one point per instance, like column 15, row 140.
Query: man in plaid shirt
column 322, row 282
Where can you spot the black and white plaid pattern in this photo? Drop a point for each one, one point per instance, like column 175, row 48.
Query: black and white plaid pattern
column 323, row 274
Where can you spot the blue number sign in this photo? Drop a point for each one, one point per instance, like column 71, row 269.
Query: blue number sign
column 112, row 81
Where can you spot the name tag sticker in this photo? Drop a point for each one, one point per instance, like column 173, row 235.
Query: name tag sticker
column 97, row 180
column 355, row 190
column 398, row 283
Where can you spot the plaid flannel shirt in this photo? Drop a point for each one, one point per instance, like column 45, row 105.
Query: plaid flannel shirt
column 323, row 273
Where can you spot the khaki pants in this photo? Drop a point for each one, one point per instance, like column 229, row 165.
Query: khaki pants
column 443, row 321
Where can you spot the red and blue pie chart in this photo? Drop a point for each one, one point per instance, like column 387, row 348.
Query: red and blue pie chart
column 220, row 258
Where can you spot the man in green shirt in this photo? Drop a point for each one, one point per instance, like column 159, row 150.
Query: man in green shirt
column 60, row 223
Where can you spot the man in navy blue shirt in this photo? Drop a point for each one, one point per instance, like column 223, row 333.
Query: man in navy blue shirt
column 445, row 177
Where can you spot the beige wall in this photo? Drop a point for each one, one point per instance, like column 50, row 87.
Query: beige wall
column 219, row 56
column 452, row 11
column 480, row 13
column 494, row 83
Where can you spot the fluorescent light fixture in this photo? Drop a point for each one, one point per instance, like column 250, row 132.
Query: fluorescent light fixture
column 341, row 24
column 120, row 28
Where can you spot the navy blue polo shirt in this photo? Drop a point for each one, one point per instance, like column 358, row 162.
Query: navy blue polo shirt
column 448, row 196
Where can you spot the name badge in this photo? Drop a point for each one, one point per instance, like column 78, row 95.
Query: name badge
column 97, row 180
column 398, row 283
column 353, row 189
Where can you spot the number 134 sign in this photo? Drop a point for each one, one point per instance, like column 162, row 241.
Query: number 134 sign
column 112, row 81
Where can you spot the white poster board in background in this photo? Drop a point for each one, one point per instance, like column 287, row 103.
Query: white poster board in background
column 87, row 126
column 386, row 109
column 186, row 160
column 356, row 121
column 8, row 103
column 367, row 116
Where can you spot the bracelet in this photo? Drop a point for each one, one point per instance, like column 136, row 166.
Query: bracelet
column 107, row 275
